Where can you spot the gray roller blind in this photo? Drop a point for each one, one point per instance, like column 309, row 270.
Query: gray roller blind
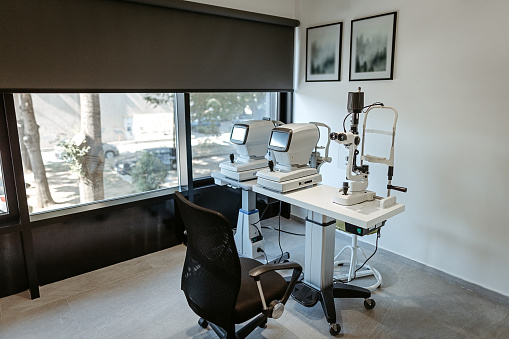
column 112, row 45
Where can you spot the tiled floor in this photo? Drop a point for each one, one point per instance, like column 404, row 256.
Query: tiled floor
column 141, row 298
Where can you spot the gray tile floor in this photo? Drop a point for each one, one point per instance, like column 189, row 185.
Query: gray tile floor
column 141, row 298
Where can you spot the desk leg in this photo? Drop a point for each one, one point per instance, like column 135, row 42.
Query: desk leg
column 319, row 251
column 319, row 260
column 249, row 238
column 319, row 269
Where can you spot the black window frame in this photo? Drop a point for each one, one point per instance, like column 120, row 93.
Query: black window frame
column 17, row 198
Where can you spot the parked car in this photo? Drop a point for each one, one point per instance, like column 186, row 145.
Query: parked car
column 110, row 151
column 167, row 155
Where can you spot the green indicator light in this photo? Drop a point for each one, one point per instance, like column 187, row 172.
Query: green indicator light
column 359, row 231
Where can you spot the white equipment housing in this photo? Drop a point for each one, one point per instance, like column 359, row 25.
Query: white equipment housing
column 292, row 146
column 357, row 192
column 250, row 139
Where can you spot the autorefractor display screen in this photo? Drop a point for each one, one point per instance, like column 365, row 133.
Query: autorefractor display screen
column 238, row 135
column 279, row 139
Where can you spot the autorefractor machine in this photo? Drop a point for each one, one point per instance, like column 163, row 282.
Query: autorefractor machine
column 354, row 190
column 250, row 139
column 297, row 157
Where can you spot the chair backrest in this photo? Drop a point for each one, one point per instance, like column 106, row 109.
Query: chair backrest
column 211, row 274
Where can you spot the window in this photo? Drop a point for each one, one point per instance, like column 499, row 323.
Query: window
column 212, row 118
column 3, row 202
column 82, row 148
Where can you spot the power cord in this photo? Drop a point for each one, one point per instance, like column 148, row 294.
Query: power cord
column 363, row 111
column 265, row 254
column 263, row 213
column 259, row 220
column 279, row 230
column 259, row 233
column 279, row 233
column 376, row 247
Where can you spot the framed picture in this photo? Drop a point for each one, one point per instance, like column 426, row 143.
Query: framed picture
column 372, row 47
column 323, row 52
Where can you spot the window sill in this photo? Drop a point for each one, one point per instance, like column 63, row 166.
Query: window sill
column 95, row 206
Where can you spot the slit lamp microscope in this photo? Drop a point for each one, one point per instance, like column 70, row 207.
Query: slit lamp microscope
column 354, row 190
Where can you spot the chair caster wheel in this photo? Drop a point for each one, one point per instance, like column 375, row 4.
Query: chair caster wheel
column 334, row 329
column 203, row 323
column 369, row 304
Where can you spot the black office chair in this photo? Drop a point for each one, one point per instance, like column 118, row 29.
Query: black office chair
column 222, row 288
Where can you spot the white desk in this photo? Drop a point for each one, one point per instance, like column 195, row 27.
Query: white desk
column 319, row 199
column 320, row 236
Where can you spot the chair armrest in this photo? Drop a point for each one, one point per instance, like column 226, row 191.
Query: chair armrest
column 257, row 271
column 297, row 270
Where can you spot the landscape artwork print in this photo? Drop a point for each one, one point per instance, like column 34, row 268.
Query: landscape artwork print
column 323, row 52
column 372, row 47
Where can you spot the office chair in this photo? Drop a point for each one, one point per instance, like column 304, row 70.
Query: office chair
column 221, row 287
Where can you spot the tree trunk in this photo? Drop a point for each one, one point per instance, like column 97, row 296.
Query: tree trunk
column 27, row 165
column 31, row 140
column 91, row 177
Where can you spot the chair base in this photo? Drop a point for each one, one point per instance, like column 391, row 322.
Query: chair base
column 258, row 321
column 308, row 296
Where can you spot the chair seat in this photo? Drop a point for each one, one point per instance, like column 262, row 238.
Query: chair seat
column 248, row 301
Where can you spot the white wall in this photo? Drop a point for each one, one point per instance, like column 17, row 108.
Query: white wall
column 451, row 63
column 450, row 88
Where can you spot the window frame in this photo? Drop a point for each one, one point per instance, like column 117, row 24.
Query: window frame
column 184, row 165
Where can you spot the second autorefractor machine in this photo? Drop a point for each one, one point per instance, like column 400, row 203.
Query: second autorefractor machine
column 354, row 190
column 250, row 139
column 297, row 157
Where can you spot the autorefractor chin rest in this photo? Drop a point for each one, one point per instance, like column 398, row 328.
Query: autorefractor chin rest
column 250, row 139
column 296, row 155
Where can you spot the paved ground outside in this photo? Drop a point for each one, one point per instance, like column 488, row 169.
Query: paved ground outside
column 208, row 152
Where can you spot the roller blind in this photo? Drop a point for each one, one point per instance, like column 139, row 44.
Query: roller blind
column 113, row 45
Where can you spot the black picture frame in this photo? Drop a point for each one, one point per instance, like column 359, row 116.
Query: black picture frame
column 372, row 46
column 323, row 52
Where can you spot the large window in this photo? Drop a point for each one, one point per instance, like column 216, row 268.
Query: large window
column 82, row 148
column 212, row 117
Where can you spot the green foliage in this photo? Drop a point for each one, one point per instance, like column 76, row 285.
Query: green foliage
column 73, row 154
column 225, row 106
column 149, row 173
column 211, row 129
column 158, row 99
column 208, row 108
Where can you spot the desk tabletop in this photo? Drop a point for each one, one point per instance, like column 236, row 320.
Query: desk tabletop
column 319, row 199
column 245, row 185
